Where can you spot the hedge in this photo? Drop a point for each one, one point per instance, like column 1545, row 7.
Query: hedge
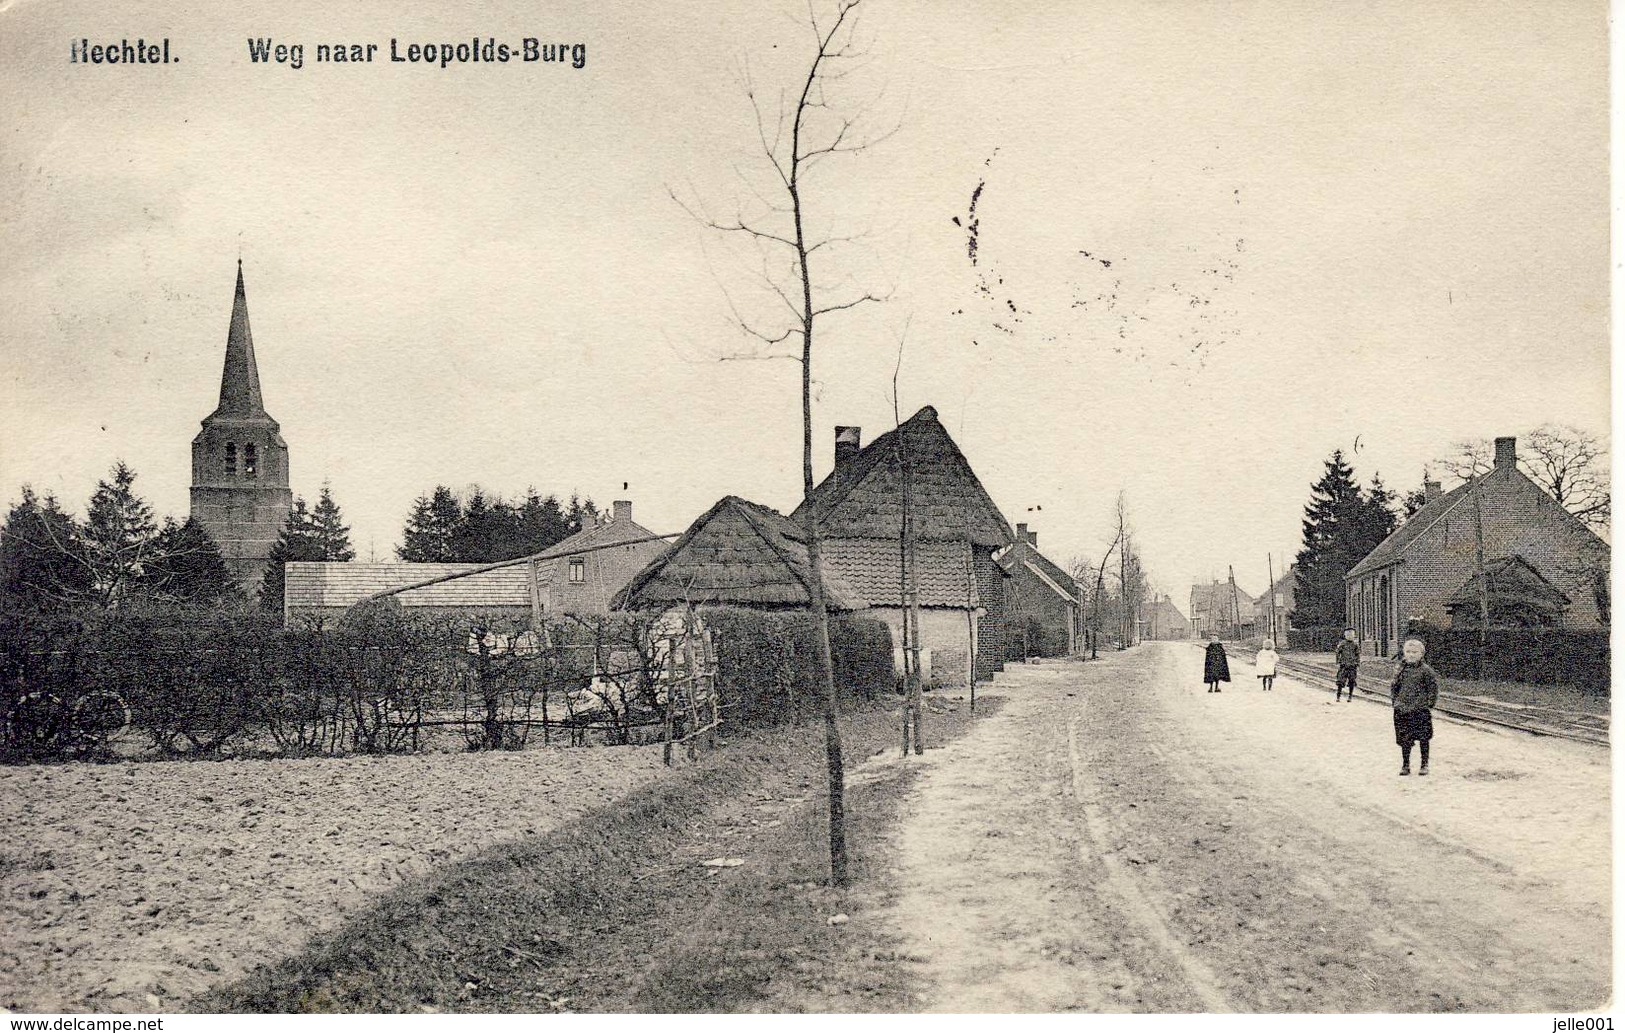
column 1314, row 640
column 1539, row 656
column 382, row 680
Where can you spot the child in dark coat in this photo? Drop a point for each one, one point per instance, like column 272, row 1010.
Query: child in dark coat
column 1216, row 668
column 1348, row 664
column 1415, row 692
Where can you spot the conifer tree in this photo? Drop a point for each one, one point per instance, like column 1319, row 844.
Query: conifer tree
column 1331, row 523
column 187, row 566
column 430, row 526
column 118, row 537
column 41, row 566
column 298, row 542
column 1341, row 525
column 327, row 524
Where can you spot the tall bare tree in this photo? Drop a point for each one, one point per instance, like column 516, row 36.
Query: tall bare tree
column 798, row 130
column 1569, row 463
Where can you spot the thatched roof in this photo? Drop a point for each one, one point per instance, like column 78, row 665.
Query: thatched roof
column 1515, row 582
column 863, row 496
column 737, row 554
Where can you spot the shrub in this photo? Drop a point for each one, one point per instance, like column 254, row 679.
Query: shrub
column 766, row 667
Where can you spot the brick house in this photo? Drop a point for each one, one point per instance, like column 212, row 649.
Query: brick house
column 1282, row 597
column 1536, row 554
column 1160, row 620
column 1222, row 608
column 565, row 584
column 957, row 530
column 1041, row 601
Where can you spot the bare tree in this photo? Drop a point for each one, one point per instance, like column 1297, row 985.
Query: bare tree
column 800, row 130
column 1570, row 464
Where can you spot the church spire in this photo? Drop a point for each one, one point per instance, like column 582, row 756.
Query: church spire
column 240, row 379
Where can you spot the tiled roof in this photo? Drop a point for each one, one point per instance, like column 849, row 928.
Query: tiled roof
column 873, row 567
column 1393, row 547
column 1203, row 599
column 863, row 496
column 1027, row 553
column 327, row 585
column 738, row 553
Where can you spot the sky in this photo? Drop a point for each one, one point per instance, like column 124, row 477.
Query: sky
column 1214, row 242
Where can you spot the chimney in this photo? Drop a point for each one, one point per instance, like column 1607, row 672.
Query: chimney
column 1431, row 490
column 848, row 442
column 623, row 511
column 1506, row 452
column 1021, row 532
column 1032, row 538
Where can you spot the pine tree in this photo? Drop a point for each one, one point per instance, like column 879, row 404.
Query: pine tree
column 118, row 537
column 542, row 523
column 187, row 566
column 41, row 561
column 477, row 536
column 583, row 513
column 327, row 525
column 430, row 526
column 1331, row 532
column 1377, row 520
column 299, row 542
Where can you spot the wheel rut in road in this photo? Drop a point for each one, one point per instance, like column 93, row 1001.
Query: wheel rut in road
column 1114, row 840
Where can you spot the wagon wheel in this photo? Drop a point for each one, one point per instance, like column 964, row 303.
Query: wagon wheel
column 99, row 718
column 35, row 726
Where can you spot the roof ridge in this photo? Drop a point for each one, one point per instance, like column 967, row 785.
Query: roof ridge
column 755, row 521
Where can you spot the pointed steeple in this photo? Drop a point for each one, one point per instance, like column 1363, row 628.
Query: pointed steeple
column 240, row 379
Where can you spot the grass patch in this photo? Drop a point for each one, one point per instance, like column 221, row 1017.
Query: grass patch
column 614, row 912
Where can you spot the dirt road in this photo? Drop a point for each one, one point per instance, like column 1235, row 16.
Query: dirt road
column 1117, row 839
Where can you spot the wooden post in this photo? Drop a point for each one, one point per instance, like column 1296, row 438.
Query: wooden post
column 693, row 685
column 671, row 696
column 1269, row 557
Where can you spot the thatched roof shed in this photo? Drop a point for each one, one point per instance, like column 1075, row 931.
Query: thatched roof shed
column 737, row 554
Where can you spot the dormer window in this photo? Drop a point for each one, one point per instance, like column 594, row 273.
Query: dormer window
column 231, row 459
column 251, row 461
column 578, row 570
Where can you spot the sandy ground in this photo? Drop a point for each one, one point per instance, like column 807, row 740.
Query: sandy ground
column 1117, row 839
column 131, row 887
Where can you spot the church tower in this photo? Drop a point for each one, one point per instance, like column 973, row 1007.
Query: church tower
column 240, row 462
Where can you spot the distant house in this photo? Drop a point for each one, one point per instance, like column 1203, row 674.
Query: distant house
column 1041, row 601
column 738, row 553
column 1223, row 609
column 1275, row 607
column 1543, row 564
column 957, row 529
column 588, row 582
column 1162, row 620
column 584, row 583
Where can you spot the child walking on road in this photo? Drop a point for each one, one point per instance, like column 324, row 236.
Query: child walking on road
column 1415, row 692
column 1348, row 664
column 1265, row 664
column 1216, row 668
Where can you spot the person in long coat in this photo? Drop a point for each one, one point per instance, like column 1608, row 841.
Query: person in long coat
column 1217, row 667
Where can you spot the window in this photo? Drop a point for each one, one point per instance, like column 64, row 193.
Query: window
column 251, row 466
column 578, row 570
column 231, row 459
